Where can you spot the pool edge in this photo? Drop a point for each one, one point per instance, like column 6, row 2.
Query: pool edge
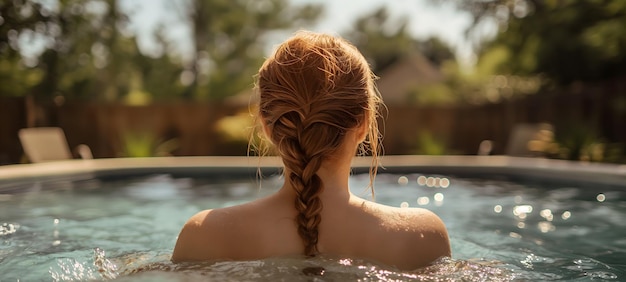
column 546, row 169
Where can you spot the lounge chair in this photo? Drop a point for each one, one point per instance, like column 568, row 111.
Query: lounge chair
column 529, row 139
column 42, row 144
column 525, row 140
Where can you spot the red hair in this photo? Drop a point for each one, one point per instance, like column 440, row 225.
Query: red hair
column 313, row 90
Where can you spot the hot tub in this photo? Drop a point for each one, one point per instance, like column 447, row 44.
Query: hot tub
column 508, row 218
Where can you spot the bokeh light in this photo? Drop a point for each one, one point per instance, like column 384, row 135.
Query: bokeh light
column 422, row 201
column 497, row 208
column 566, row 215
column 403, row 180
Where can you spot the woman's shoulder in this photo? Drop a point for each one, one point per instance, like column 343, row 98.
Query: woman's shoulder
column 422, row 219
column 412, row 220
column 418, row 235
column 192, row 243
column 206, row 219
column 227, row 233
column 205, row 234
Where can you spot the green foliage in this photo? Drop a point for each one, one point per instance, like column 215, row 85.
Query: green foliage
column 433, row 94
column 428, row 144
column 437, row 51
column 83, row 53
column 576, row 142
column 384, row 42
column 229, row 41
column 236, row 128
column 381, row 41
column 566, row 41
column 16, row 79
column 87, row 51
column 240, row 129
column 478, row 86
column 551, row 46
column 18, row 21
column 146, row 144
column 582, row 143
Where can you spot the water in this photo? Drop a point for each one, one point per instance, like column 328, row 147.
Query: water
column 126, row 229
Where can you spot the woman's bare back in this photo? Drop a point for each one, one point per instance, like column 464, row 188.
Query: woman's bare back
column 402, row 237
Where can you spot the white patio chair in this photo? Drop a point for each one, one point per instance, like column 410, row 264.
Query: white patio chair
column 42, row 144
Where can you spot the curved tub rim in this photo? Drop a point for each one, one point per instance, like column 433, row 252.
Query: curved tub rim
column 537, row 168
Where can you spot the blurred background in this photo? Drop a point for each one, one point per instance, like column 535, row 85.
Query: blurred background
column 138, row 78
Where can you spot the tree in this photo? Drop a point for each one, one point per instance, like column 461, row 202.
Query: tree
column 384, row 41
column 437, row 51
column 85, row 52
column 17, row 21
column 78, row 39
column 160, row 76
column 381, row 41
column 566, row 41
column 229, row 40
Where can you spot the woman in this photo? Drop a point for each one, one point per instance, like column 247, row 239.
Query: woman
column 317, row 105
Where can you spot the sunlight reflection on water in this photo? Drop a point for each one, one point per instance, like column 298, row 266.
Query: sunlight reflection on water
column 522, row 231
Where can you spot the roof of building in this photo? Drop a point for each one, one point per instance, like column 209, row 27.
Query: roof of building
column 398, row 79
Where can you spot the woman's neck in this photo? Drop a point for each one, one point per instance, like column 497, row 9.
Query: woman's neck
column 334, row 173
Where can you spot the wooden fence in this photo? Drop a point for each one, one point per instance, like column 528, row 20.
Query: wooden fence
column 461, row 128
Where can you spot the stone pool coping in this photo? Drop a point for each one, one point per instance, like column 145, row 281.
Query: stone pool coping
column 464, row 166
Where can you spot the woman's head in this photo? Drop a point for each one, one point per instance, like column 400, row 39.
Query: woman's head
column 314, row 90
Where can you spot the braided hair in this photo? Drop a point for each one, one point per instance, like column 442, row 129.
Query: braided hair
column 313, row 90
